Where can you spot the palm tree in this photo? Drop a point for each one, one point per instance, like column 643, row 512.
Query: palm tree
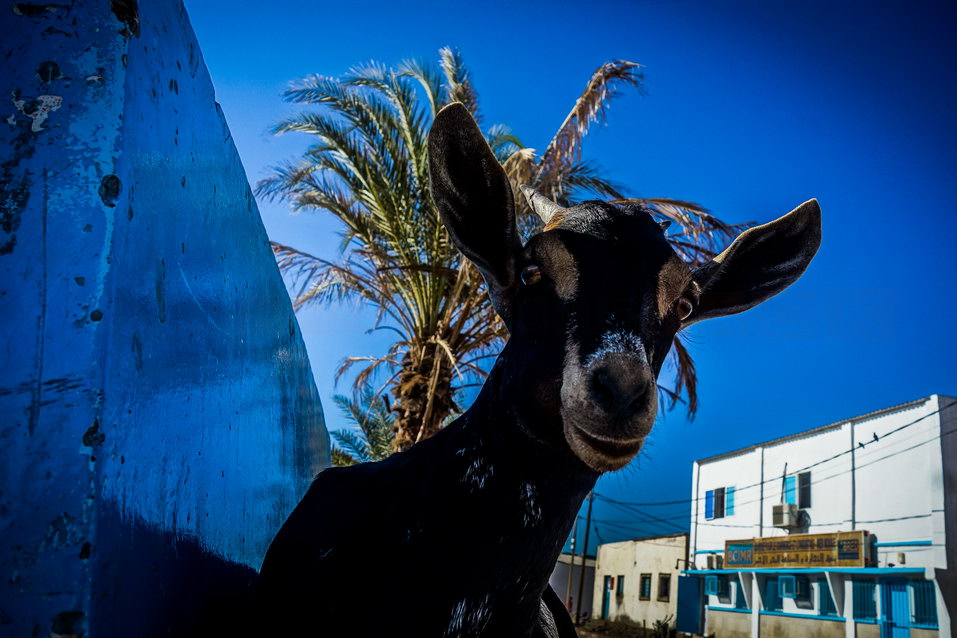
column 368, row 167
column 374, row 419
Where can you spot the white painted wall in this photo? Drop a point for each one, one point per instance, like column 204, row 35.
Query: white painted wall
column 895, row 492
column 656, row 555
column 560, row 582
column 899, row 485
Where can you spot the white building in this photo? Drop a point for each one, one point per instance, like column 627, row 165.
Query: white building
column 841, row 531
column 566, row 581
column 637, row 580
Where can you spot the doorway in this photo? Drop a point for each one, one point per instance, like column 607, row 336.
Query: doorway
column 606, row 598
column 895, row 609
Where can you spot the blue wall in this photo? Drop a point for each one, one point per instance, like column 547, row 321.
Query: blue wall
column 158, row 416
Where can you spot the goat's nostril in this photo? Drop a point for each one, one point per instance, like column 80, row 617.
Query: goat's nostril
column 619, row 385
column 638, row 399
column 602, row 387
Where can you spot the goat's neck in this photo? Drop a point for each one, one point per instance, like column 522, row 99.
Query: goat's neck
column 522, row 476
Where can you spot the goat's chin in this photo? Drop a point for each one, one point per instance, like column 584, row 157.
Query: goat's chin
column 600, row 452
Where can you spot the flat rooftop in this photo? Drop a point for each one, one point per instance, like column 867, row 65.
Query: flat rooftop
column 817, row 430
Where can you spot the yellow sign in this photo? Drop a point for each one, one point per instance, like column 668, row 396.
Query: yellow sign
column 842, row 549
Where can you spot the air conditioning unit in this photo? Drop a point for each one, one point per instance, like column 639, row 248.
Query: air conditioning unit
column 785, row 515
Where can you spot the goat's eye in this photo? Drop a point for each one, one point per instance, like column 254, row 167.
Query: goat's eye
column 531, row 274
column 683, row 308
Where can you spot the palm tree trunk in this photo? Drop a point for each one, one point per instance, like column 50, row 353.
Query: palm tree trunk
column 423, row 398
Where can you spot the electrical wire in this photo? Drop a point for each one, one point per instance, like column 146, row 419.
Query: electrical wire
column 667, row 522
column 807, row 467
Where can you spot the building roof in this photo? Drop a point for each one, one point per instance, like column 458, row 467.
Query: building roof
column 648, row 538
column 575, row 559
column 818, row 430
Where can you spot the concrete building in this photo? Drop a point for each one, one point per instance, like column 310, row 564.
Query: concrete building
column 637, row 580
column 840, row 531
column 566, row 585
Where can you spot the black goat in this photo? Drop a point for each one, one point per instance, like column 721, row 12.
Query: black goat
column 458, row 535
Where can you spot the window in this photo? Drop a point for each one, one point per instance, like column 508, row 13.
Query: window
column 795, row 587
column 716, row 586
column 804, row 490
column 797, row 489
column 825, row 604
column 787, row 586
column 772, row 599
column 719, row 502
column 925, row 603
column 865, row 600
column 644, row 592
column 664, row 587
column 740, row 602
column 620, row 591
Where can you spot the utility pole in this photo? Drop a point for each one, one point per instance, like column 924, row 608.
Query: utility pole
column 571, row 566
column 581, row 575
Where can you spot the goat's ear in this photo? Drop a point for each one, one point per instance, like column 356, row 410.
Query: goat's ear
column 759, row 264
column 473, row 197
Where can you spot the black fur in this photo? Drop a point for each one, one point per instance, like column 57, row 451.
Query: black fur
column 458, row 535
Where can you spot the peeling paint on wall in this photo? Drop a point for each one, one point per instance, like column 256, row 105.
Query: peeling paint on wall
column 38, row 109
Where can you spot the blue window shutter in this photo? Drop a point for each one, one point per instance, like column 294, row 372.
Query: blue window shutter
column 709, row 504
column 787, row 586
column 790, row 490
column 865, row 600
column 925, row 603
column 729, row 501
column 740, row 602
column 825, row 603
column 772, row 599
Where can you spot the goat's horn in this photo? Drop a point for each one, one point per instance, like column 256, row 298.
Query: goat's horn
column 543, row 207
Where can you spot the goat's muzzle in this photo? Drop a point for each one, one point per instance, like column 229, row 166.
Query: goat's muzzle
column 608, row 408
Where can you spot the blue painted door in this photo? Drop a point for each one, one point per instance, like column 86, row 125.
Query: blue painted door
column 606, row 597
column 895, row 609
column 690, row 605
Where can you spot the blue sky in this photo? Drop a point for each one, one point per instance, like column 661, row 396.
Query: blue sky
column 752, row 108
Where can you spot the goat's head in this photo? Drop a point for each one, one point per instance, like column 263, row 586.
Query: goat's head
column 593, row 302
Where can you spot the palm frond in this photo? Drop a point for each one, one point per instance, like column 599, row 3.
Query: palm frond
column 590, row 107
column 697, row 235
column 371, row 440
column 367, row 166
column 458, row 80
column 352, row 444
column 686, row 376
column 341, row 458
column 584, row 178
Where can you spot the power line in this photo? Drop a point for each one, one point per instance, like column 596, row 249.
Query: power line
column 646, row 519
column 807, row 467
column 664, row 526
column 630, row 507
column 818, row 481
